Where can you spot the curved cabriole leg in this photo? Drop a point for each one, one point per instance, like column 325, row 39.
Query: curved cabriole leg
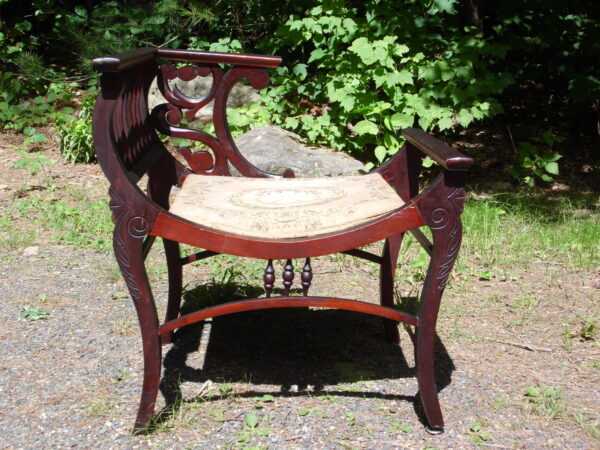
column 127, row 241
column 442, row 215
column 391, row 249
column 175, row 271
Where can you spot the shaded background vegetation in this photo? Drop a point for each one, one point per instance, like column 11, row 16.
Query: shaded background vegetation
column 354, row 73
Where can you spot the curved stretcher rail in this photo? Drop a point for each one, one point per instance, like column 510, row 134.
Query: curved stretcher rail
column 287, row 302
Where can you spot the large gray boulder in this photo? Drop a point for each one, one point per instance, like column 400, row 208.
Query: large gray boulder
column 273, row 150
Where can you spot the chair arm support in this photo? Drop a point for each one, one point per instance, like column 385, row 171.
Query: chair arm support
column 447, row 157
column 219, row 58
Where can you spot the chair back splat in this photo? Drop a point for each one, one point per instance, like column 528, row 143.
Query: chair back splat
column 259, row 214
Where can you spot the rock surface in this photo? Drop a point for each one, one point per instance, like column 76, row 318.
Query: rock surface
column 273, row 150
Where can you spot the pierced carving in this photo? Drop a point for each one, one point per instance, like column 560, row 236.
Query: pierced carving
column 288, row 277
column 306, row 276
column 167, row 117
column 269, row 278
column 187, row 73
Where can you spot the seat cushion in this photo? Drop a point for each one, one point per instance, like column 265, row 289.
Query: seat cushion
column 280, row 208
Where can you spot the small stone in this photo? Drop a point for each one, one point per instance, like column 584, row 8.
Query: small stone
column 3, row 187
column 31, row 251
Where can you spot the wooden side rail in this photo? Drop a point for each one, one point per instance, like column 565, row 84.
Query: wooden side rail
column 447, row 157
column 219, row 58
column 286, row 302
column 127, row 60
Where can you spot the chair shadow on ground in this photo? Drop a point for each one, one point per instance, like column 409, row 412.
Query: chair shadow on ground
column 300, row 350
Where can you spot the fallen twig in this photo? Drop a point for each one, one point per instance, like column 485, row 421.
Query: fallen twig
column 529, row 347
column 293, row 438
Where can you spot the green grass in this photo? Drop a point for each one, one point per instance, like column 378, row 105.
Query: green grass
column 73, row 219
column 517, row 229
column 506, row 231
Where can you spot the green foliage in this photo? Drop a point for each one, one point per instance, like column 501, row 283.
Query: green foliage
column 21, row 113
column 32, row 313
column 478, row 434
column 32, row 162
column 76, row 143
column 374, row 70
column 545, row 402
column 247, row 117
column 537, row 162
column 555, row 55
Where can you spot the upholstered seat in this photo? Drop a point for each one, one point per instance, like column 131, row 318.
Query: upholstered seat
column 281, row 208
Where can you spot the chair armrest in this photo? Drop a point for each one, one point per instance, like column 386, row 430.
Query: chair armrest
column 132, row 58
column 447, row 157
column 219, row 58
column 124, row 60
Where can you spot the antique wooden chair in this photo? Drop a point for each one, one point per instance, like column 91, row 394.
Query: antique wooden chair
column 259, row 215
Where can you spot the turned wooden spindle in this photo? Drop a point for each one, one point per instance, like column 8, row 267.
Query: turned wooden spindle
column 269, row 278
column 288, row 277
column 306, row 277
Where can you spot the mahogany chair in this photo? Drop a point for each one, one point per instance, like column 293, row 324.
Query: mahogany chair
column 259, row 215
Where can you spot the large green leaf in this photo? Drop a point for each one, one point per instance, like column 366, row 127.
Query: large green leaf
column 365, row 127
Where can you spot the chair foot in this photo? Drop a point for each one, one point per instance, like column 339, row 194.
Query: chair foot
column 435, row 431
column 426, row 378
column 152, row 369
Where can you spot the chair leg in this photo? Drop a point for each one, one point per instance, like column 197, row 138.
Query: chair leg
column 128, row 238
column 175, row 270
column 446, row 229
column 391, row 249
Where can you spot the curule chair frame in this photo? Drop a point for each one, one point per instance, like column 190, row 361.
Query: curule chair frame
column 128, row 147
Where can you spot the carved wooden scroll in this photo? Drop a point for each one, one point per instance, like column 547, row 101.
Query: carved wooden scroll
column 218, row 150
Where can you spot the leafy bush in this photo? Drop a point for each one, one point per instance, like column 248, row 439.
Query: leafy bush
column 363, row 73
column 533, row 163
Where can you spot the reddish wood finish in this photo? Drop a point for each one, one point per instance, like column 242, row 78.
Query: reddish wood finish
column 219, row 58
column 176, row 228
column 128, row 147
column 288, row 277
column 269, row 278
column 287, row 302
column 306, row 277
column 443, row 154
column 391, row 249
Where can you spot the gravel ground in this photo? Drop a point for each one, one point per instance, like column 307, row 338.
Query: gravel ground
column 312, row 378
column 282, row 379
